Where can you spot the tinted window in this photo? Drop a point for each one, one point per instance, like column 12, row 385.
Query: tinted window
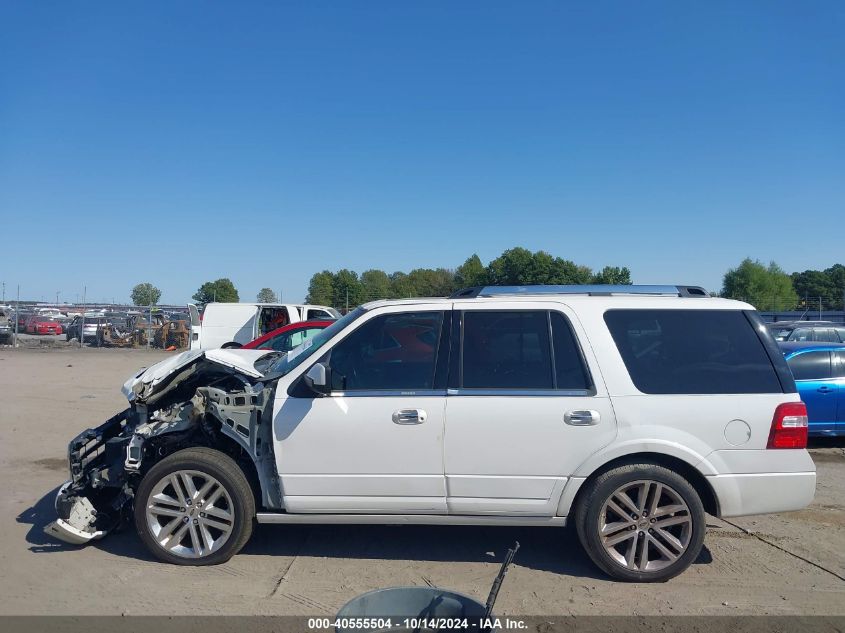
column 507, row 350
column 287, row 341
column 840, row 334
column 826, row 335
column 692, row 351
column 839, row 364
column 570, row 372
column 810, row 366
column 394, row 351
column 313, row 313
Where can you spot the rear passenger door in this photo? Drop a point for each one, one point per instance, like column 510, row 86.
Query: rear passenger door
column 525, row 406
column 817, row 387
column 839, row 379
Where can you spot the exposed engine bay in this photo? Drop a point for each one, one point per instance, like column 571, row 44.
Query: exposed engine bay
column 193, row 399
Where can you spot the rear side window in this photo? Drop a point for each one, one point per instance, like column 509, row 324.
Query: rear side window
column 507, row 350
column 525, row 349
column 692, row 352
column 811, row 366
column 840, row 334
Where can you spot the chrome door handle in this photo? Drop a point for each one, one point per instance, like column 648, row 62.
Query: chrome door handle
column 409, row 416
column 586, row 417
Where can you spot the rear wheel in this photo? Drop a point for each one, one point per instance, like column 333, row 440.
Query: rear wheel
column 231, row 345
column 195, row 507
column 641, row 523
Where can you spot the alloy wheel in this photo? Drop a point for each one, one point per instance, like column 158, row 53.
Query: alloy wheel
column 645, row 525
column 190, row 514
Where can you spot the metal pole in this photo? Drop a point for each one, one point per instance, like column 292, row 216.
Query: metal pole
column 82, row 323
column 820, row 308
column 347, row 300
column 17, row 318
column 150, row 324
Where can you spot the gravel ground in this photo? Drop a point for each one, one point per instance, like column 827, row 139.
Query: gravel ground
column 779, row 564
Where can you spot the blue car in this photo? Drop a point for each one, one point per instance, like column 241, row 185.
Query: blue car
column 819, row 371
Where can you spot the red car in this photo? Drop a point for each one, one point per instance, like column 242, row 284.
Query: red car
column 285, row 338
column 38, row 324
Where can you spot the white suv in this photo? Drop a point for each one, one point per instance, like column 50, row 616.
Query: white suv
column 628, row 411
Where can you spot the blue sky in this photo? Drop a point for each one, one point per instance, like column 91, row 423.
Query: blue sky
column 181, row 142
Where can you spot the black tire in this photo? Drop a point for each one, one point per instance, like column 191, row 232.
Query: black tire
column 231, row 345
column 227, row 472
column 599, row 491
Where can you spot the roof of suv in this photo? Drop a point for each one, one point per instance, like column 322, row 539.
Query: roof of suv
column 684, row 295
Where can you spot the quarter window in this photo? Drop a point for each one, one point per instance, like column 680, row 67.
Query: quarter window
column 692, row 352
column 811, row 366
column 390, row 352
column 570, row 372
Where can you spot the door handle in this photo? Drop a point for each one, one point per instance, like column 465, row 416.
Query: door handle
column 585, row 417
column 409, row 416
column 824, row 389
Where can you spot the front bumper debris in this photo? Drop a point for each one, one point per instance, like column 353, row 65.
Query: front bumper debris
column 78, row 528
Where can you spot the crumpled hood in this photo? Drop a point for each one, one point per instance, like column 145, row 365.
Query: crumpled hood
column 144, row 383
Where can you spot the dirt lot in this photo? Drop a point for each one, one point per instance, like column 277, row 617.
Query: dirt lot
column 781, row 564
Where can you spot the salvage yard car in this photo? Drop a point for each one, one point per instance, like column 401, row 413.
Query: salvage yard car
column 628, row 411
column 236, row 324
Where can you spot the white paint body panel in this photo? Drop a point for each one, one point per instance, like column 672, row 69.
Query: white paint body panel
column 512, row 458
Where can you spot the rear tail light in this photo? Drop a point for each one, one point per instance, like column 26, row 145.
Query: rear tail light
column 789, row 426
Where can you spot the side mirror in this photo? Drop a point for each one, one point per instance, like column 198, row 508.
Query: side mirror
column 317, row 379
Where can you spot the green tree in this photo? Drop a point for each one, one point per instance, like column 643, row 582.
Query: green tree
column 827, row 285
column 613, row 275
column 511, row 268
column 221, row 291
column 375, row 284
column 145, row 294
column 266, row 295
column 471, row 273
column 765, row 287
column 347, row 289
column 321, row 289
column 401, row 286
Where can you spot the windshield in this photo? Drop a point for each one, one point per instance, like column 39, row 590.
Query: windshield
column 309, row 346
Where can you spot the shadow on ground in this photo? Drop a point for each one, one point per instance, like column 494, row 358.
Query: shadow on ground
column 551, row 549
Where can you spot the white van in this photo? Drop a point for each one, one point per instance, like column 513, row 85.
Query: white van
column 224, row 324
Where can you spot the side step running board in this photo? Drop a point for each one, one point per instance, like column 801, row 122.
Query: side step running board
column 408, row 519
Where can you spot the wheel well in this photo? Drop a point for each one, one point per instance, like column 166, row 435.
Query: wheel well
column 690, row 473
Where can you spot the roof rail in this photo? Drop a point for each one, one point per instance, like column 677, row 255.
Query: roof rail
column 594, row 290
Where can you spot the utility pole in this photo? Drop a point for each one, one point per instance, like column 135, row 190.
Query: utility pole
column 82, row 323
column 57, row 298
column 347, row 300
column 17, row 307
column 4, row 292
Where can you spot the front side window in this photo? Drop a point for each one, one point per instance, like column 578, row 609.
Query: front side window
column 838, row 359
column 389, row 352
column 692, row 352
column 811, row 366
column 288, row 340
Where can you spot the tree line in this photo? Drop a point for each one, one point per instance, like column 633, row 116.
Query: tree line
column 770, row 289
column 766, row 287
column 514, row 267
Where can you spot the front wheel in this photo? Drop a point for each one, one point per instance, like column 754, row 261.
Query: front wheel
column 195, row 507
column 641, row 523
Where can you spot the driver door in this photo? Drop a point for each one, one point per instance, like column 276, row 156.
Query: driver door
column 374, row 443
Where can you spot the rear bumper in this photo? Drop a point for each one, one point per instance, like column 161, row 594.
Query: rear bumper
column 761, row 481
column 763, row 493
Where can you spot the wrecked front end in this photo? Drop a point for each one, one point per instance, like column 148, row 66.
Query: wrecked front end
column 200, row 402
